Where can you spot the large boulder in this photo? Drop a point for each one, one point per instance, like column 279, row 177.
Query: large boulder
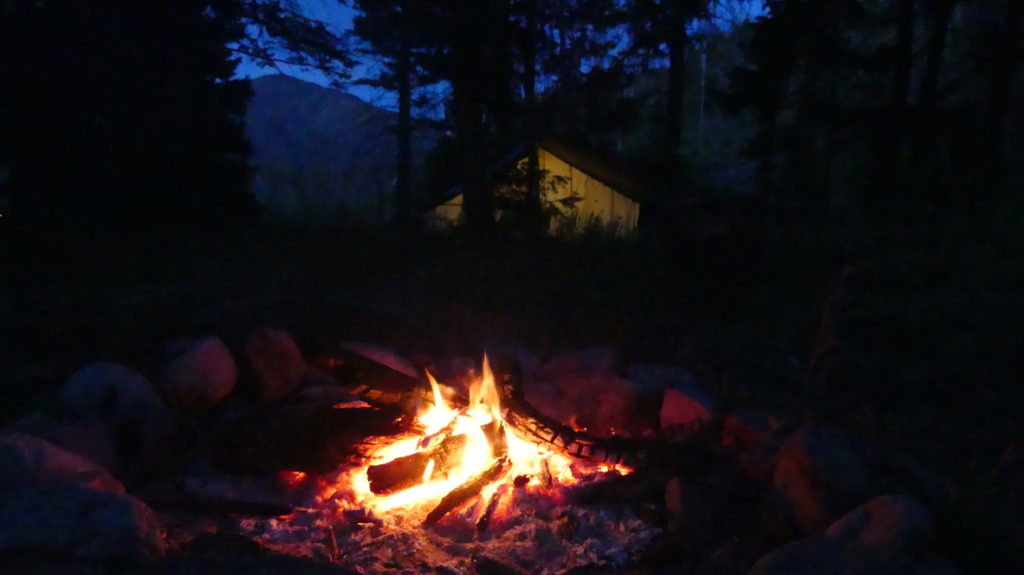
column 690, row 513
column 685, row 405
column 200, row 376
column 78, row 521
column 26, row 460
column 823, row 556
column 87, row 436
column 755, row 440
column 123, row 398
column 276, row 362
column 657, row 377
column 819, row 478
column 890, row 523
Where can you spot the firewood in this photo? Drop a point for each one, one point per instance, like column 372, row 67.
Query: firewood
column 212, row 505
column 407, row 471
column 468, row 490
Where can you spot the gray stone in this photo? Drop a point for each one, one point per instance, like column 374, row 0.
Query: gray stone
column 819, row 477
column 201, row 376
column 822, row 556
column 87, row 436
column 26, row 460
column 691, row 514
column 120, row 396
column 890, row 523
column 276, row 361
column 684, row 411
column 78, row 521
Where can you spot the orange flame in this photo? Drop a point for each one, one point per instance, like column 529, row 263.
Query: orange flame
column 526, row 458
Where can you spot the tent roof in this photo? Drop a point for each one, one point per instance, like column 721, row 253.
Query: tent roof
column 614, row 170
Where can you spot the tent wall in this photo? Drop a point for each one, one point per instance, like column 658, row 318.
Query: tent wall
column 597, row 202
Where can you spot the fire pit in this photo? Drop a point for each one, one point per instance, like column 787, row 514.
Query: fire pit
column 471, row 480
column 360, row 462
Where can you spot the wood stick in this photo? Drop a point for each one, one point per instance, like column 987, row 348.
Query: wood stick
column 407, row 471
column 468, row 490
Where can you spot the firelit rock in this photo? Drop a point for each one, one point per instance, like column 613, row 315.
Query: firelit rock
column 78, row 521
column 889, row 523
column 822, row 556
column 118, row 395
column 819, row 478
column 201, row 376
column 684, row 411
column 29, row 460
column 276, row 363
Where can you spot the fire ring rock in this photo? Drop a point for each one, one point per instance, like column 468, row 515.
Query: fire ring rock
column 822, row 556
column 118, row 395
column 26, row 460
column 74, row 520
column 819, row 477
column 276, row 363
column 201, row 376
column 889, row 523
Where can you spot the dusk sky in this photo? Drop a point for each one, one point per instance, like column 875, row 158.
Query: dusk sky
column 338, row 17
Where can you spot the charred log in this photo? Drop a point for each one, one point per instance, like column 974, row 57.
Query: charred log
column 485, row 519
column 408, row 471
column 468, row 490
column 311, row 438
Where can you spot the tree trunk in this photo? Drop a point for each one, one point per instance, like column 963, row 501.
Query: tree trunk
column 404, row 216
column 926, row 123
column 467, row 74
column 1001, row 79
column 892, row 131
column 530, row 40
column 676, row 82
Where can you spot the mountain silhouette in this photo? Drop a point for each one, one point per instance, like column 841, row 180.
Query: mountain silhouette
column 323, row 156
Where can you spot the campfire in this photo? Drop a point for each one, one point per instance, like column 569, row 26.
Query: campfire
column 364, row 461
column 464, row 475
column 470, row 457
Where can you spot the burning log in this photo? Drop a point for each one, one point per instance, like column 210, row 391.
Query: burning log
column 408, row 471
column 468, row 490
column 485, row 519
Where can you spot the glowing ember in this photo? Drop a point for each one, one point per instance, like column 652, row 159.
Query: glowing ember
column 531, row 466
